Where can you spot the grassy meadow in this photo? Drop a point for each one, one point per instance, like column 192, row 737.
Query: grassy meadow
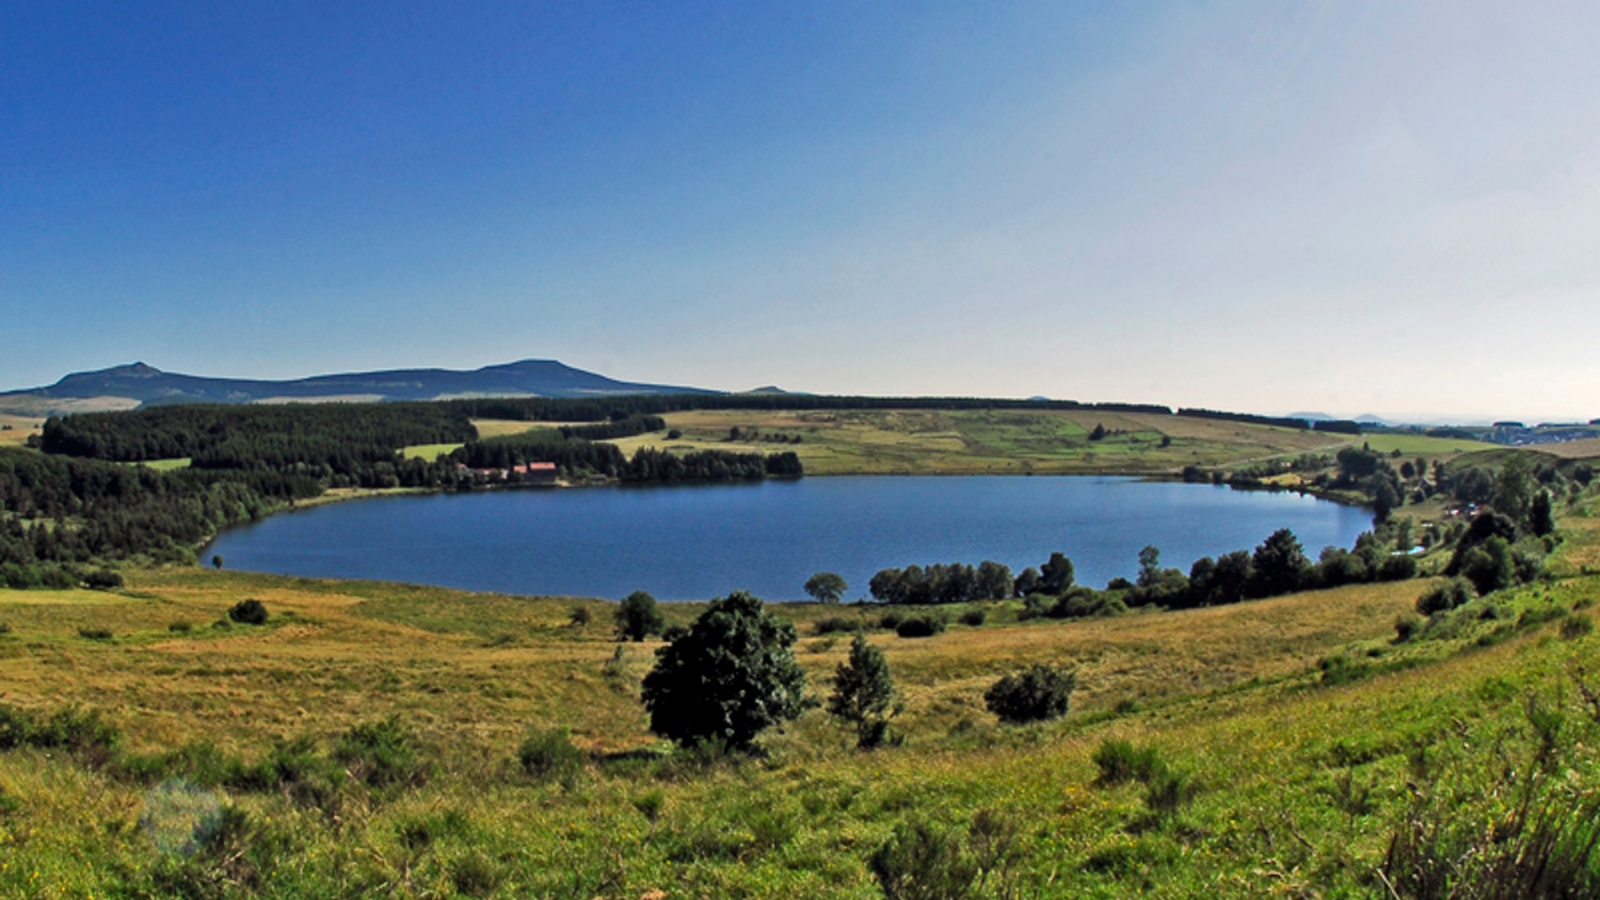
column 15, row 430
column 1001, row 442
column 1296, row 737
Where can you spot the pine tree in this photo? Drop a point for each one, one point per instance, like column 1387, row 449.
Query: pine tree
column 863, row 693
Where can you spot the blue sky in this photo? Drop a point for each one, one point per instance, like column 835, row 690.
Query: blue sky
column 1343, row 207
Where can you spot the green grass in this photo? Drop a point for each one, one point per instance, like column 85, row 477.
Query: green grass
column 1293, row 737
column 1284, row 766
column 165, row 465
column 1015, row 442
column 1414, row 445
column 429, row 452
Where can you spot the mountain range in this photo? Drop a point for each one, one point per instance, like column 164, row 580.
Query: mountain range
column 138, row 384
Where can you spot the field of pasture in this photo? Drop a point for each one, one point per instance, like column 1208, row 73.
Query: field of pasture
column 1302, row 736
column 933, row 442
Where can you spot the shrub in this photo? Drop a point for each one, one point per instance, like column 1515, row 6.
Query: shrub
column 1398, row 568
column 83, row 733
column 637, row 617
column 1574, row 627
column 1041, row 692
column 94, row 634
column 925, row 625
column 102, row 579
column 1082, row 603
column 381, row 754
column 1406, row 627
column 891, row 620
column 475, row 874
column 249, row 612
column 732, row 675
column 1444, row 597
column 1120, row 762
column 1490, row 565
column 549, row 754
column 180, row 627
column 921, row 861
column 1169, row 790
column 1341, row 669
column 974, row 617
column 580, row 616
column 833, row 624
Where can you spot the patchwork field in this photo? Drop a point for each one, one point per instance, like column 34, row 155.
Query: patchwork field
column 918, row 442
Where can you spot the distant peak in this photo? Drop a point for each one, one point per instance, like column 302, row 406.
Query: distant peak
column 136, row 370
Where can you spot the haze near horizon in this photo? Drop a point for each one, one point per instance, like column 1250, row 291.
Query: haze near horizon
column 1351, row 208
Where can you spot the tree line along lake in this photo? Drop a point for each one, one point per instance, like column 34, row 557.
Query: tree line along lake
column 693, row 542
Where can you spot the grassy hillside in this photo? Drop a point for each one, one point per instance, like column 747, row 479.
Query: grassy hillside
column 979, row 441
column 1297, row 739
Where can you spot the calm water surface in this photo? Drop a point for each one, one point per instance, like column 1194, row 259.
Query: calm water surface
column 695, row 542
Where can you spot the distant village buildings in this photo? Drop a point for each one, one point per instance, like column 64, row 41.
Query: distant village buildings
column 528, row 473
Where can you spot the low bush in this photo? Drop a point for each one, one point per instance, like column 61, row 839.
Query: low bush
column 1121, row 762
column 249, row 612
column 94, row 634
column 1341, row 669
column 549, row 754
column 925, row 625
column 974, row 617
column 1574, row 627
column 832, row 624
column 1084, row 603
column 82, row 733
column 1041, row 692
column 1168, row 790
column 1398, row 568
column 381, row 754
column 102, row 579
column 891, row 620
column 1442, row 598
column 921, row 861
column 1406, row 627
column 180, row 627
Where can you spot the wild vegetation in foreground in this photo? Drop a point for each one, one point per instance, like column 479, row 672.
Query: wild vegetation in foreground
column 384, row 740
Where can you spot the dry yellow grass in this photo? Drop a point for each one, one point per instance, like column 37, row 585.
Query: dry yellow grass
column 1588, row 448
column 486, row 667
column 22, row 405
column 16, row 429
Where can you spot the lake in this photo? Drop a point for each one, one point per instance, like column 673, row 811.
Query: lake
column 699, row 541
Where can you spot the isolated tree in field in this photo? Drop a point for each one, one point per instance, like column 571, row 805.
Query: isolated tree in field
column 1098, row 433
column 826, row 587
column 249, row 612
column 1037, row 693
column 216, row 561
column 1056, row 575
column 638, row 617
column 730, row 676
column 863, row 693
